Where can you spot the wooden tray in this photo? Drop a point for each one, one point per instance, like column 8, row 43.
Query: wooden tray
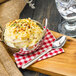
column 63, row 64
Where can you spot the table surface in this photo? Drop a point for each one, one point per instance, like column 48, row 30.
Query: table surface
column 44, row 8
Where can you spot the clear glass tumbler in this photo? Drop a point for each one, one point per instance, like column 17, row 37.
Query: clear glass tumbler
column 67, row 9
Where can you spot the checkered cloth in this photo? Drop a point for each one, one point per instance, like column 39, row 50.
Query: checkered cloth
column 22, row 57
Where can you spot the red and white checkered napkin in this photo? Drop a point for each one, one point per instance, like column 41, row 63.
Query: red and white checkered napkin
column 22, row 57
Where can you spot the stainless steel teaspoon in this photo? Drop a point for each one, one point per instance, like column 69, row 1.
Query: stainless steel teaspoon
column 58, row 43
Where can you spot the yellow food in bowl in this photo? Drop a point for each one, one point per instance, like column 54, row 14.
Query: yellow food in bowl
column 22, row 33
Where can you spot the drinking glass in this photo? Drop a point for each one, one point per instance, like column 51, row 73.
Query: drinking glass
column 67, row 9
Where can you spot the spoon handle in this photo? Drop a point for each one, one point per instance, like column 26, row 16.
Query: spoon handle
column 36, row 58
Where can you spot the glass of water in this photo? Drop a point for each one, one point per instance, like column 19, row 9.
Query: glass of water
column 67, row 9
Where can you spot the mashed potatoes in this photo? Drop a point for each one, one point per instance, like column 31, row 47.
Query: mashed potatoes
column 22, row 33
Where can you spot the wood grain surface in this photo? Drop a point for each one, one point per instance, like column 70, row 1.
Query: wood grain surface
column 63, row 64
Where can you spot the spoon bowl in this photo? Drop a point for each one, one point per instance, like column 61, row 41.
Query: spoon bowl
column 59, row 42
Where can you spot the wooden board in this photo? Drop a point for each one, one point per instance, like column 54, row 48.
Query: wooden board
column 63, row 64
